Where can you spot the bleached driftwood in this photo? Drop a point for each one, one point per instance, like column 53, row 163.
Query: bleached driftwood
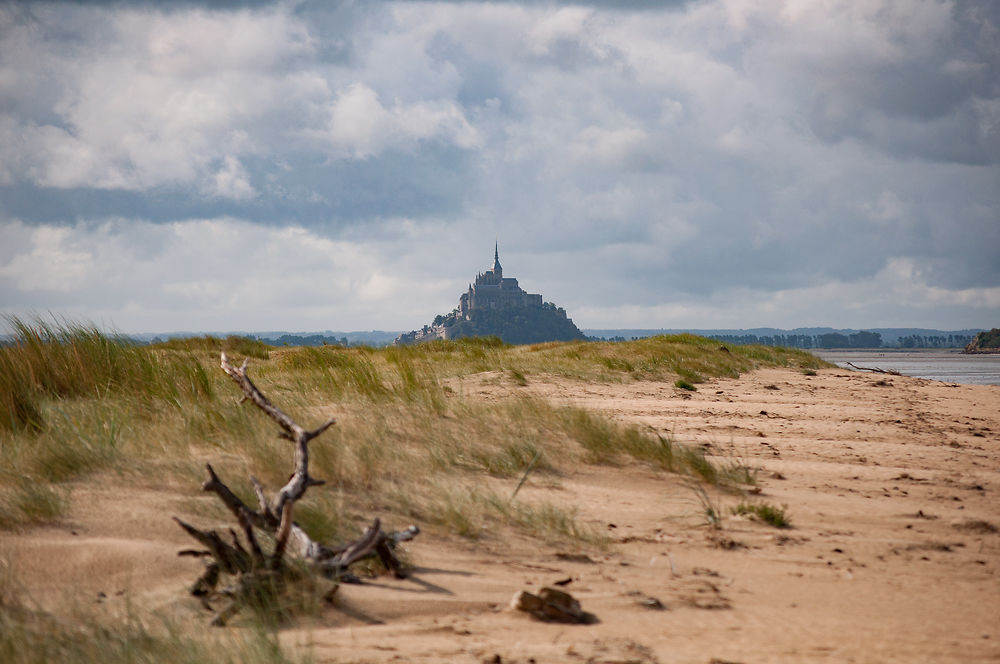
column 891, row 372
column 256, row 573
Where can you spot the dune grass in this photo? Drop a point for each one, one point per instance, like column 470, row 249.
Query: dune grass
column 74, row 401
column 31, row 639
column 82, row 635
column 764, row 512
column 24, row 502
column 79, row 405
column 63, row 361
column 243, row 346
column 664, row 357
column 30, row 636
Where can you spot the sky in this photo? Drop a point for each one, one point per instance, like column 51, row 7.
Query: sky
column 322, row 165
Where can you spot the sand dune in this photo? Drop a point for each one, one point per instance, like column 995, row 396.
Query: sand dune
column 890, row 483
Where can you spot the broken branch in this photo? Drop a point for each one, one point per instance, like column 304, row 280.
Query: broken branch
column 891, row 372
column 255, row 571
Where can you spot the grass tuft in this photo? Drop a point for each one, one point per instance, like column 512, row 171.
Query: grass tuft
column 518, row 377
column 711, row 510
column 27, row 502
column 766, row 512
column 474, row 512
column 29, row 637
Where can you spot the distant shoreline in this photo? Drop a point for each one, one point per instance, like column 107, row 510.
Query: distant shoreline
column 940, row 340
column 949, row 365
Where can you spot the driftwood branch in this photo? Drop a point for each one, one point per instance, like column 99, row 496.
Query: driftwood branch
column 258, row 573
column 265, row 509
column 300, row 480
column 262, row 519
column 230, row 559
column 258, row 554
column 891, row 372
column 281, row 541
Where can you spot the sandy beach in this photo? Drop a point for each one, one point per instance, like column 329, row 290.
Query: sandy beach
column 893, row 554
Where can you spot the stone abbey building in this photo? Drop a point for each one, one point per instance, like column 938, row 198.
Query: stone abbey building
column 492, row 291
column 497, row 305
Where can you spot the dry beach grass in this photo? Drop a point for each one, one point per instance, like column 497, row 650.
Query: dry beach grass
column 652, row 500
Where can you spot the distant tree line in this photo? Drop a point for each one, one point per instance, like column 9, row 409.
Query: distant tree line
column 522, row 326
column 283, row 340
column 935, row 341
column 305, row 340
column 789, row 340
column 861, row 339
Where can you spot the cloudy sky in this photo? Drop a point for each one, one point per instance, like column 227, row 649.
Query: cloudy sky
column 319, row 165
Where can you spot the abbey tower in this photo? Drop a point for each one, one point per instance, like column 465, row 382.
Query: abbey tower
column 495, row 305
column 492, row 291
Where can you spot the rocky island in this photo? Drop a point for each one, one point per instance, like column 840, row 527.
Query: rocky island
column 495, row 305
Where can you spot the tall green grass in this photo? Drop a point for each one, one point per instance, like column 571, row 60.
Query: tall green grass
column 76, row 401
column 233, row 344
column 60, row 361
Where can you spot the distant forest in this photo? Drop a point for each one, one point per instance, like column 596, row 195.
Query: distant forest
column 827, row 339
column 861, row 339
column 309, row 340
column 801, row 338
column 855, row 340
column 373, row 338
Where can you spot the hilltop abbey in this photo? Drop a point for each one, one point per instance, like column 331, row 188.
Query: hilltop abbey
column 492, row 291
column 497, row 305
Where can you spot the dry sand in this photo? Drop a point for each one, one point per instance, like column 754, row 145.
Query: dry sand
column 891, row 484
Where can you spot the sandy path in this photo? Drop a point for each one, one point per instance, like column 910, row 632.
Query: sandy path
column 887, row 483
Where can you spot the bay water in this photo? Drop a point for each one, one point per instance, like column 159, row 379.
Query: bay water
column 951, row 365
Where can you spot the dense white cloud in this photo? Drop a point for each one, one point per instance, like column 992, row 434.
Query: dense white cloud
column 361, row 127
column 232, row 181
column 142, row 99
column 229, row 274
column 899, row 292
column 215, row 274
column 715, row 163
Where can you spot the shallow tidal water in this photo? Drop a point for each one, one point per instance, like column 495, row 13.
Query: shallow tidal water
column 950, row 366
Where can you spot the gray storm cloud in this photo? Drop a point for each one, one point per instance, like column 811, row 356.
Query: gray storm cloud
column 308, row 165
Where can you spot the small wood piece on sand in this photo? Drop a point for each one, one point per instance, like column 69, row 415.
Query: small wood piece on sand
column 552, row 605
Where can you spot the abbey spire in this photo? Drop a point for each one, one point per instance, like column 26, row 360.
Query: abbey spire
column 497, row 269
